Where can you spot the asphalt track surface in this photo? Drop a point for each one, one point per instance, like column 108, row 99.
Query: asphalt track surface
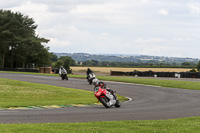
column 148, row 103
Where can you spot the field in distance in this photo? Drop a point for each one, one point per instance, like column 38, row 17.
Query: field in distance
column 106, row 70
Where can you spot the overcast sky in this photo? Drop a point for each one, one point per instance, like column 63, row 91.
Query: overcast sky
column 148, row 27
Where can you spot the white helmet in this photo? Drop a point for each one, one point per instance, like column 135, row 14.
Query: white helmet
column 95, row 82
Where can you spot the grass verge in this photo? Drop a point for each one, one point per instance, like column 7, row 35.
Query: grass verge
column 15, row 93
column 19, row 94
column 181, row 125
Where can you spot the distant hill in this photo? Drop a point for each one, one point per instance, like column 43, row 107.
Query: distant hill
column 126, row 58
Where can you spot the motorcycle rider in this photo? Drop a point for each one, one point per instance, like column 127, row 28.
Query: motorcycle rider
column 62, row 70
column 89, row 71
column 110, row 93
column 90, row 75
column 102, row 84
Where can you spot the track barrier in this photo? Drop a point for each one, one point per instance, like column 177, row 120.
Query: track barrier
column 157, row 74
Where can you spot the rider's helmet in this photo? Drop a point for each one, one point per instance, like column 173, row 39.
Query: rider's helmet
column 95, row 82
column 88, row 71
column 61, row 66
column 101, row 84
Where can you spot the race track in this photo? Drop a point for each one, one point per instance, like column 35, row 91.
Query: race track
column 148, row 103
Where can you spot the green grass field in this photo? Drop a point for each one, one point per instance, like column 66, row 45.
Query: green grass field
column 15, row 93
column 181, row 125
column 18, row 94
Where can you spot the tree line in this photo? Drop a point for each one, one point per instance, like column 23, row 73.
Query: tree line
column 138, row 64
column 19, row 44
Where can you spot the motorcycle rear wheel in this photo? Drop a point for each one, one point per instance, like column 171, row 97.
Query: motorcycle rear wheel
column 104, row 101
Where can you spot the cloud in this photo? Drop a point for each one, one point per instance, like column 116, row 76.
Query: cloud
column 150, row 40
column 194, row 8
column 109, row 13
column 10, row 3
column 178, row 39
column 30, row 7
column 66, row 5
column 37, row 11
column 145, row 1
column 163, row 12
column 58, row 45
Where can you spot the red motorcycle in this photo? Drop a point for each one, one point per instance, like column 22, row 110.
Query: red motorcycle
column 106, row 98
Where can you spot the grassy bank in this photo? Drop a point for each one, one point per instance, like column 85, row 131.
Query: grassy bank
column 181, row 125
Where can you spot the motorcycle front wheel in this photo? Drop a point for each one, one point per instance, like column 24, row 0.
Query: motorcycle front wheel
column 117, row 104
column 104, row 101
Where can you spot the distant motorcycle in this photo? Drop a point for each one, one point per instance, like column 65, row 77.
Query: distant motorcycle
column 64, row 76
column 105, row 97
column 90, row 77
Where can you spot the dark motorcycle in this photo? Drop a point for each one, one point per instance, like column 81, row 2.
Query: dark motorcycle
column 64, row 76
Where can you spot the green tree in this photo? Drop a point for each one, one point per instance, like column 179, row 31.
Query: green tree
column 53, row 57
column 187, row 64
column 68, row 61
column 59, row 63
column 95, row 62
column 193, row 70
column 19, row 43
column 88, row 63
column 198, row 66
